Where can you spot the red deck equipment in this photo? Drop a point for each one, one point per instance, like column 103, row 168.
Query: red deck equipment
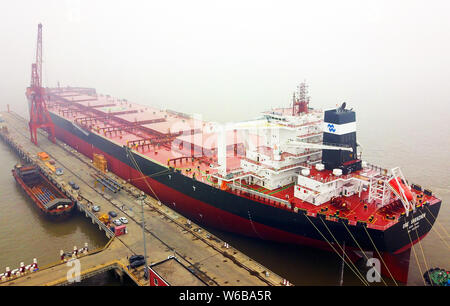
column 393, row 183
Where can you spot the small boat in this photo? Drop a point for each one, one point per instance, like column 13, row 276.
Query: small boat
column 437, row 277
column 46, row 196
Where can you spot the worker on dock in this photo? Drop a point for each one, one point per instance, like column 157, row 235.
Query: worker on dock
column 34, row 266
column 61, row 253
column 85, row 249
column 22, row 268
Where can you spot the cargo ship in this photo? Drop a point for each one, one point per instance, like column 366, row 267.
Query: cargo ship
column 292, row 175
column 50, row 201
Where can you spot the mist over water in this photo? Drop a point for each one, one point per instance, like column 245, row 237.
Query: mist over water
column 230, row 60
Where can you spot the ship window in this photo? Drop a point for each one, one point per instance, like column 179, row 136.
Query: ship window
column 155, row 280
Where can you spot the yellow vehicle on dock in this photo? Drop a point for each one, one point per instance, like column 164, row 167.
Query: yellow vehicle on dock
column 43, row 156
column 104, row 218
column 50, row 166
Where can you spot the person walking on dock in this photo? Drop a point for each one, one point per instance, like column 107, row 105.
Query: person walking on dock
column 34, row 266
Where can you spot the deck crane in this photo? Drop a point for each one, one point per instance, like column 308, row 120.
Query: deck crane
column 39, row 115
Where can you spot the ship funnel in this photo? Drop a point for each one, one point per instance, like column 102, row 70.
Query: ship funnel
column 340, row 130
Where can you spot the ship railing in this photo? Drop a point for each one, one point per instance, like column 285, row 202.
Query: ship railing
column 301, row 164
column 383, row 171
column 94, row 217
column 304, row 124
column 310, row 135
column 256, row 193
column 380, row 227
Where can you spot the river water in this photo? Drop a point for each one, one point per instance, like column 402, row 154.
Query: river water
column 26, row 234
column 416, row 140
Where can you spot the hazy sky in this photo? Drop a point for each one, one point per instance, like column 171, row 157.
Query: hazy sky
column 230, row 59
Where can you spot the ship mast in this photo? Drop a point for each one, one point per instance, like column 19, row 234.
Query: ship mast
column 39, row 115
column 300, row 101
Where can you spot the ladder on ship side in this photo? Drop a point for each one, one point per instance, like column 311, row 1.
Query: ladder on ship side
column 380, row 190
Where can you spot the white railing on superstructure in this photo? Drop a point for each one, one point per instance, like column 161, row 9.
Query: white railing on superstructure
column 378, row 190
column 263, row 195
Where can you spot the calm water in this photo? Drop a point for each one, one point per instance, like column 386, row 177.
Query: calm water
column 26, row 234
column 417, row 140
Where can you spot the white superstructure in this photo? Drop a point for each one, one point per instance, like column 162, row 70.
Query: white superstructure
column 275, row 162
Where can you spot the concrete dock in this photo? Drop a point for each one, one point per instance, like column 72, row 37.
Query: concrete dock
column 167, row 232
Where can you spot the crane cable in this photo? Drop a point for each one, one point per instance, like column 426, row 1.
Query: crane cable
column 376, row 249
column 130, row 155
column 362, row 280
column 378, row 272
column 354, row 266
column 423, row 253
column 417, row 259
column 437, row 232
column 435, row 219
column 152, row 175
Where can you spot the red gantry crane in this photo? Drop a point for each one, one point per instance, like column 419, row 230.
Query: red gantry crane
column 39, row 115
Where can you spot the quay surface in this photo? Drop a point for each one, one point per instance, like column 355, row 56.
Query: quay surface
column 167, row 232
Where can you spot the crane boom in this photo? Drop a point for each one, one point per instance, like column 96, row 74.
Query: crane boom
column 39, row 115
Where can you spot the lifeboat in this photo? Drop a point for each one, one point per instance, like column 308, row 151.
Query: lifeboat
column 405, row 188
column 224, row 185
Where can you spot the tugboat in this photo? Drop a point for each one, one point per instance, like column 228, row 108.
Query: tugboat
column 47, row 197
column 437, row 277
